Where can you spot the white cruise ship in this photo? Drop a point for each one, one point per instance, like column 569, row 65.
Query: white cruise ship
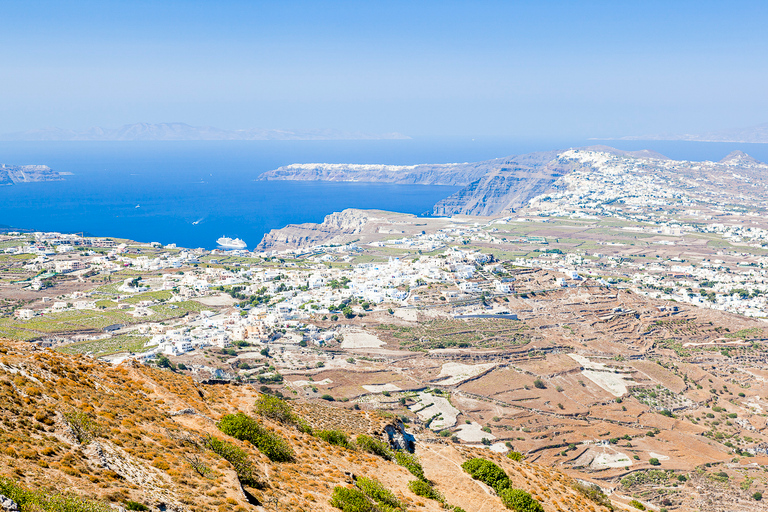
column 230, row 243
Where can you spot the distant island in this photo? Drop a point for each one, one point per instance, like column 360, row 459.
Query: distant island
column 754, row 134
column 183, row 131
column 10, row 174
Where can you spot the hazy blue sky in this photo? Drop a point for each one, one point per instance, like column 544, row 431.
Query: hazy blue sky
column 533, row 69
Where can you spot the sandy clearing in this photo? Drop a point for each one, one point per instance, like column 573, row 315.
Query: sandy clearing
column 302, row 383
column 428, row 405
column 611, row 460
column 409, row 315
column 615, row 384
column 380, row 388
column 499, row 448
column 658, row 456
column 458, row 372
column 216, row 300
column 360, row 339
column 473, row 433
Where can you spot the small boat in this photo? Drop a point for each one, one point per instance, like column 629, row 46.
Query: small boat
column 229, row 243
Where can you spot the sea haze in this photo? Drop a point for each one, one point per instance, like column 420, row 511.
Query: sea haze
column 191, row 193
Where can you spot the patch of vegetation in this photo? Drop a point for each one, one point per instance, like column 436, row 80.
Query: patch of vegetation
column 235, row 456
column 411, row 463
column 594, row 493
column 673, row 345
column 437, row 334
column 84, row 428
column 425, row 490
column 336, row 437
column 651, row 476
column 487, row 472
column 382, row 496
column 519, row 501
column 277, row 409
column 351, row 500
column 46, row 500
column 374, row 446
column 246, row 428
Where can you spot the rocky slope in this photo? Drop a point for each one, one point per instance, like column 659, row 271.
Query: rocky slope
column 335, row 228
column 10, row 174
column 78, row 434
column 426, row 174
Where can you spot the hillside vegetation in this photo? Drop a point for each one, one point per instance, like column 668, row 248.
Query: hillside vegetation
column 81, row 435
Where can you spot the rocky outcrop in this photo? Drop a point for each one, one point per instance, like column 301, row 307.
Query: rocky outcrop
column 7, row 504
column 425, row 174
column 10, row 174
column 332, row 230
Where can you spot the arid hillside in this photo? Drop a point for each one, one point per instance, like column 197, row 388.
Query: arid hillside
column 78, row 434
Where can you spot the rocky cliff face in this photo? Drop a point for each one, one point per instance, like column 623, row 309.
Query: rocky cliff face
column 511, row 186
column 10, row 174
column 427, row 174
column 334, row 228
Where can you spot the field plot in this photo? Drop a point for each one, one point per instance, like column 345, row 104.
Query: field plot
column 353, row 383
column 442, row 333
column 473, row 433
column 455, row 373
column 436, row 411
column 107, row 346
column 359, row 339
column 607, row 378
column 69, row 322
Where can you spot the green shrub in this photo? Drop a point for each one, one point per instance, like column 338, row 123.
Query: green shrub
column 539, row 384
column 275, row 409
column 653, row 461
column 637, row 505
column 328, row 398
column 423, row 489
column 84, row 428
column 135, row 505
column 378, row 493
column 411, row 463
column 246, row 428
column 336, row 437
column 374, row 446
column 516, row 456
column 757, row 496
column 351, row 500
column 487, row 472
column 47, row 500
column 235, row 456
column 519, row 501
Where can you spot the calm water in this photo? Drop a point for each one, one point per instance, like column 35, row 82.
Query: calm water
column 191, row 193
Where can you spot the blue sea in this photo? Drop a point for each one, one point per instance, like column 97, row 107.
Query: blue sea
column 192, row 193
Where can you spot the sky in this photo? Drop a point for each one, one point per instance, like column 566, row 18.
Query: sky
column 422, row 68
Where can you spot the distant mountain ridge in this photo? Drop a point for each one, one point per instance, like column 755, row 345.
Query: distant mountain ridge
column 183, row 131
column 753, row 134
